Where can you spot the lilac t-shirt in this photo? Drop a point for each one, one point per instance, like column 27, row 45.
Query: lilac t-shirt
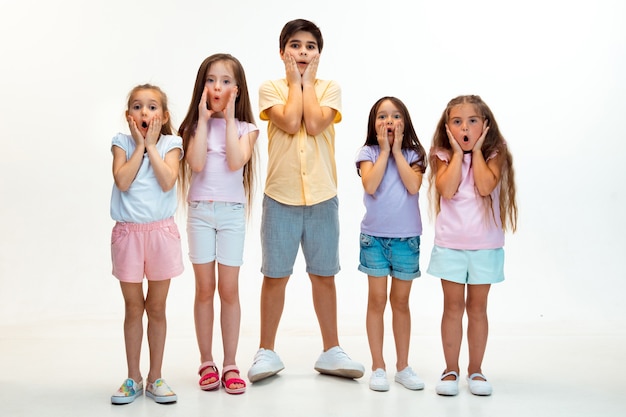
column 464, row 221
column 216, row 182
column 391, row 211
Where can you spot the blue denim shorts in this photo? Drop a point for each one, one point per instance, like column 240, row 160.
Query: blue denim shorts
column 216, row 230
column 398, row 257
column 474, row 267
column 285, row 228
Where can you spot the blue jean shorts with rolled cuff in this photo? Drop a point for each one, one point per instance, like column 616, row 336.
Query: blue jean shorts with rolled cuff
column 474, row 267
column 383, row 256
column 285, row 228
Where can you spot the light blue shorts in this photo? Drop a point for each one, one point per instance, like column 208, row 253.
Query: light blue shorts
column 398, row 257
column 485, row 266
column 216, row 230
column 285, row 228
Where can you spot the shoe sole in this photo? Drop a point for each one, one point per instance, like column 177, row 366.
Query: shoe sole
column 124, row 400
column 345, row 373
column 262, row 375
column 162, row 400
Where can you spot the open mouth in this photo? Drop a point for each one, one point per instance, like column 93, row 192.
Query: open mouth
column 465, row 138
column 144, row 124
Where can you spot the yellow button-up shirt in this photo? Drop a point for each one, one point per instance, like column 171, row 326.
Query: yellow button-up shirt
column 301, row 168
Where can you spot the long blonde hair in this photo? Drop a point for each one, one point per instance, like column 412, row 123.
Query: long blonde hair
column 494, row 143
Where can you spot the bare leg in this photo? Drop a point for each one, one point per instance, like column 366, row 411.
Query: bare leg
column 204, row 314
column 452, row 323
column 230, row 317
column 272, row 304
column 325, row 304
column 399, row 300
column 477, row 325
column 157, row 325
column 375, row 324
column 133, row 326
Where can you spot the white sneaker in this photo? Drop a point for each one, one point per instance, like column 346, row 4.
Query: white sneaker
column 266, row 363
column 409, row 379
column 337, row 362
column 378, row 380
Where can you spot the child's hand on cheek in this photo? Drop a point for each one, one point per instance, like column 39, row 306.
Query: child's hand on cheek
column 292, row 73
column 456, row 148
column 398, row 136
column 383, row 140
column 204, row 112
column 154, row 131
column 134, row 131
column 311, row 71
column 229, row 111
column 479, row 143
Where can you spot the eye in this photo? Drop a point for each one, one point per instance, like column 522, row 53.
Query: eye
column 473, row 120
column 226, row 82
column 209, row 80
column 136, row 107
column 397, row 116
column 456, row 122
column 311, row 47
column 381, row 117
column 153, row 107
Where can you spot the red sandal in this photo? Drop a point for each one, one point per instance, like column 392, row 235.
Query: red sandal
column 215, row 374
column 226, row 383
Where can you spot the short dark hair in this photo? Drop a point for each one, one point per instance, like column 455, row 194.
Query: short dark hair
column 298, row 25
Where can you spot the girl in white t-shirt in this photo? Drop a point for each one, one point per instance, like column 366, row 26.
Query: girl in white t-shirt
column 145, row 240
column 219, row 138
column 473, row 189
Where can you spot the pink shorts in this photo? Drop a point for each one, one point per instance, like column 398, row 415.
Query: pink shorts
column 152, row 250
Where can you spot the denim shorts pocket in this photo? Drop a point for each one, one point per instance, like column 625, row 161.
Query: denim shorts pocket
column 366, row 240
column 194, row 204
column 414, row 244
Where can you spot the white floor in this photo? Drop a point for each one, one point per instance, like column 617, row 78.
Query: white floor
column 70, row 368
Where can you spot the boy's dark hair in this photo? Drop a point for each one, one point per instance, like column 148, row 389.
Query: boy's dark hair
column 298, row 25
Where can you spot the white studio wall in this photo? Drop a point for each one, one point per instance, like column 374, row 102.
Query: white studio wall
column 552, row 72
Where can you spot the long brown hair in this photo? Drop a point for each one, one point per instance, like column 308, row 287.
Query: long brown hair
column 494, row 142
column 243, row 112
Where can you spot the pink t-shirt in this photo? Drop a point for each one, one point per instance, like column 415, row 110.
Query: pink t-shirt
column 216, row 182
column 466, row 221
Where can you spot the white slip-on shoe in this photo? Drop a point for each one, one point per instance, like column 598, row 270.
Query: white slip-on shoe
column 448, row 387
column 477, row 386
column 337, row 362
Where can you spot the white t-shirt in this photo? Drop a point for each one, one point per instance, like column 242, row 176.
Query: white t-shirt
column 145, row 201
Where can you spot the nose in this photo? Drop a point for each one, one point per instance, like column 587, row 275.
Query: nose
column 303, row 52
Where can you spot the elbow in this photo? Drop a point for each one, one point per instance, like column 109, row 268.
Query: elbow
column 122, row 186
column 168, row 186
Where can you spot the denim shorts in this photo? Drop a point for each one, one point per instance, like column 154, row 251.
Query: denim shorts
column 484, row 266
column 285, row 228
column 152, row 250
column 216, row 230
column 398, row 257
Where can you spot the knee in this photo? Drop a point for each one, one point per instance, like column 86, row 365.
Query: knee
column 155, row 311
column 454, row 309
column 399, row 304
column 377, row 302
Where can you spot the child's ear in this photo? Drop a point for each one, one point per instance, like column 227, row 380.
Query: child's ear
column 166, row 118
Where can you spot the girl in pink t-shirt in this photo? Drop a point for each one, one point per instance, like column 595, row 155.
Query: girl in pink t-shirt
column 219, row 138
column 473, row 189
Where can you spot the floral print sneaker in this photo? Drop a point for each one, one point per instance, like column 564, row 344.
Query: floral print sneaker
column 160, row 392
column 127, row 393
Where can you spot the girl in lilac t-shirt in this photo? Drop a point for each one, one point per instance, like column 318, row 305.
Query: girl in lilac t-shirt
column 391, row 165
column 472, row 183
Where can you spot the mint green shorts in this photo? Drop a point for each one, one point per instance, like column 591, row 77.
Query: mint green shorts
column 474, row 267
